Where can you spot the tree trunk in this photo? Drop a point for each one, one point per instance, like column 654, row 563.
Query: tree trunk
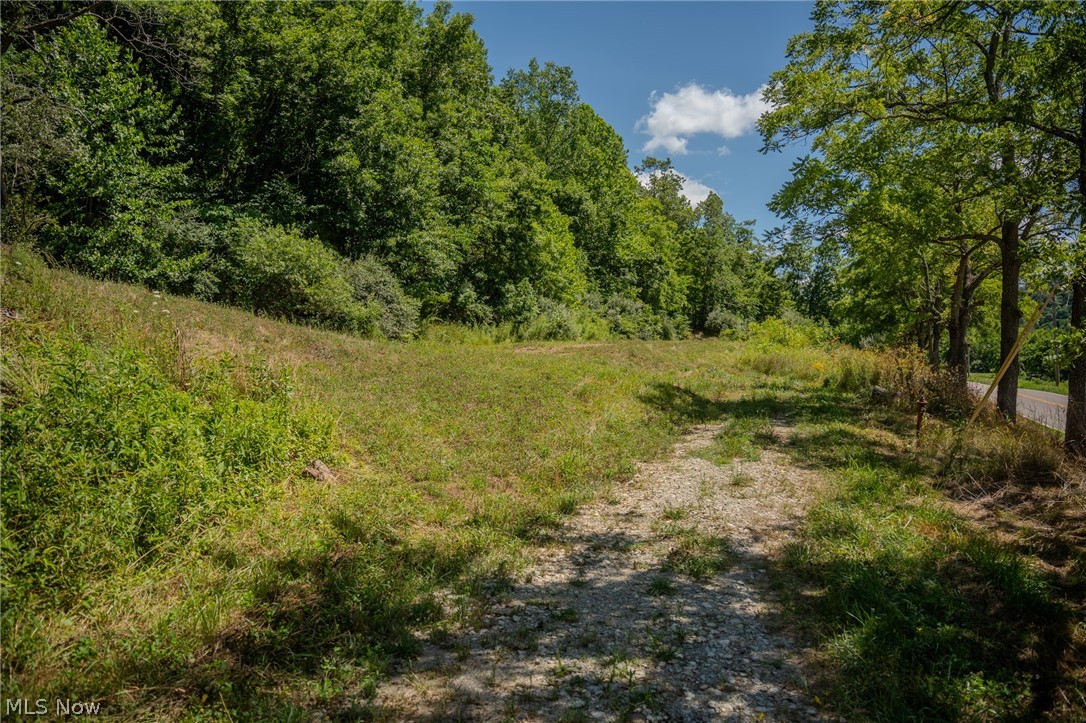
column 958, row 326
column 1010, row 318
column 933, row 345
column 1074, row 442
column 1074, row 432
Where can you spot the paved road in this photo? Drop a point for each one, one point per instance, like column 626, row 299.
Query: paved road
column 1045, row 407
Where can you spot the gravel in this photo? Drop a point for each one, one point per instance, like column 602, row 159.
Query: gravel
column 601, row 627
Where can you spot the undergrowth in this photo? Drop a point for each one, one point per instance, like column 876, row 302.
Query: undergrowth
column 164, row 552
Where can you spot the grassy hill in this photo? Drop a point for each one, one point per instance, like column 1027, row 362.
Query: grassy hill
column 166, row 552
column 169, row 542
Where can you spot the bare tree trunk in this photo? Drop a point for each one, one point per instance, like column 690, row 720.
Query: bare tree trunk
column 958, row 325
column 1010, row 318
column 1074, row 441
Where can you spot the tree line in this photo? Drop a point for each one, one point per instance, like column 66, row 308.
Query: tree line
column 352, row 164
column 946, row 173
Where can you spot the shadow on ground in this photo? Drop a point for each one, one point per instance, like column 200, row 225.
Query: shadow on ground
column 935, row 628
column 924, row 614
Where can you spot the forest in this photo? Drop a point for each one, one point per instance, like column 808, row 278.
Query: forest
column 352, row 165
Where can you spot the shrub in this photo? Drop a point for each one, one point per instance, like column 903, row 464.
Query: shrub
column 630, row 318
column 469, row 308
column 947, row 396
column 555, row 322
column 279, row 271
column 785, row 347
column 374, row 286
column 792, row 332
column 520, row 305
column 673, row 327
column 112, row 455
column 720, row 320
column 856, row 370
column 191, row 261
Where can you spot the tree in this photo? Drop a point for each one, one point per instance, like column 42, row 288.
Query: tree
column 964, row 65
column 90, row 141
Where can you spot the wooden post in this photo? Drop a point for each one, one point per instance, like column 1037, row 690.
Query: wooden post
column 921, row 407
column 1010, row 357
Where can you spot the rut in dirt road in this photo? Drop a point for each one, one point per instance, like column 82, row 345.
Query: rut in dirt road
column 646, row 607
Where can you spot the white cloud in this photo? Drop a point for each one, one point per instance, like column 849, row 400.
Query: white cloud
column 694, row 191
column 723, row 151
column 693, row 109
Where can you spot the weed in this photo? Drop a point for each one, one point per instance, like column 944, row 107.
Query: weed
column 661, row 586
column 163, row 549
column 964, row 626
column 566, row 615
column 741, row 478
column 701, row 556
column 741, row 438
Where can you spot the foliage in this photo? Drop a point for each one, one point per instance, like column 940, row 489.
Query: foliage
column 451, row 453
column 281, row 272
column 936, row 131
column 115, row 454
column 155, row 132
column 374, row 285
column 90, row 141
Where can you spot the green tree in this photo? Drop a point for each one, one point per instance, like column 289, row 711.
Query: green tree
column 100, row 164
column 951, row 64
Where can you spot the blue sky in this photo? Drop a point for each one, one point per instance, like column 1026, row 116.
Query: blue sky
column 675, row 79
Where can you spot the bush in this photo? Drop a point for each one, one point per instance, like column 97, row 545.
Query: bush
column 191, row 258
column 521, row 305
column 948, row 397
column 278, row 271
column 555, row 322
column 630, row 318
column 856, row 370
column 790, row 332
column 720, row 320
column 374, row 286
column 469, row 308
column 673, row 327
column 114, row 455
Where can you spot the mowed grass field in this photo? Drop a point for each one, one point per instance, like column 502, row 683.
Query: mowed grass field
column 167, row 555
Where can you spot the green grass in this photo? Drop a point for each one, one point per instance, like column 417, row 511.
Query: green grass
column 165, row 554
column 916, row 613
column 741, row 438
column 1041, row 385
column 192, row 566
column 699, row 555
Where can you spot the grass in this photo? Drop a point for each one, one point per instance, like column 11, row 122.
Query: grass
column 922, row 607
column 661, row 587
column 195, row 571
column 699, row 555
column 280, row 593
column 1024, row 382
column 741, row 438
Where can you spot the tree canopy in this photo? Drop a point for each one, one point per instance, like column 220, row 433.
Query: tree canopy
column 216, row 148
